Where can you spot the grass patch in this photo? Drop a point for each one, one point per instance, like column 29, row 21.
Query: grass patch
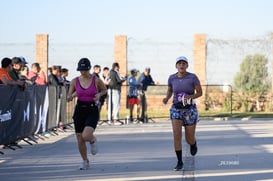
column 209, row 114
column 236, row 114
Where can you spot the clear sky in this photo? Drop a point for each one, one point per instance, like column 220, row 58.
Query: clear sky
column 98, row 21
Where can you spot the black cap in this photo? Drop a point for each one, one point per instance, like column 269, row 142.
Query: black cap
column 134, row 71
column 16, row 60
column 84, row 64
column 23, row 60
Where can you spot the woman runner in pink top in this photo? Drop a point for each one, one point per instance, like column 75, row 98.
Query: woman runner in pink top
column 88, row 89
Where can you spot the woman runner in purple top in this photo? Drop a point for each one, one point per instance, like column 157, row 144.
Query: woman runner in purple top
column 88, row 89
column 185, row 87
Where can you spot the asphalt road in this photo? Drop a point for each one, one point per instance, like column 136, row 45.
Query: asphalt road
column 228, row 150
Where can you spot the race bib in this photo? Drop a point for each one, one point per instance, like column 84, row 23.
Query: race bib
column 181, row 103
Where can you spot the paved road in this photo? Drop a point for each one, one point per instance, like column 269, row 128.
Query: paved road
column 228, row 150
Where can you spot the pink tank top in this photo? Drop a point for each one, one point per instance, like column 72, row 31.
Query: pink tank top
column 86, row 95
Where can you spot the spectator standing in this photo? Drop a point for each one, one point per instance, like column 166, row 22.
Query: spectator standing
column 133, row 94
column 145, row 79
column 97, row 70
column 64, row 74
column 36, row 75
column 114, row 93
column 105, row 79
column 24, row 75
column 184, row 87
column 24, row 72
column 105, row 76
column 17, row 66
column 5, row 78
column 54, row 76
column 88, row 88
column 54, row 81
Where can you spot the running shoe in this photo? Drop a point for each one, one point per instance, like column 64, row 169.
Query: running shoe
column 94, row 147
column 179, row 166
column 85, row 165
column 194, row 149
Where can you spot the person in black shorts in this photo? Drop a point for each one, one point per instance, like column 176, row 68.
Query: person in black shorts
column 88, row 89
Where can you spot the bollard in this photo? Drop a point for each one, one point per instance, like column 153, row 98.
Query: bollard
column 127, row 120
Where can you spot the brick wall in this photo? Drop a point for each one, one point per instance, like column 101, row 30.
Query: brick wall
column 272, row 65
column 199, row 56
column 42, row 51
column 120, row 56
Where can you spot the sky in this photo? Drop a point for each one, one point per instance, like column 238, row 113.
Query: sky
column 92, row 21
column 101, row 20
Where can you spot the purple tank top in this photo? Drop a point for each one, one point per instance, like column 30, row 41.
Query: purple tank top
column 86, row 95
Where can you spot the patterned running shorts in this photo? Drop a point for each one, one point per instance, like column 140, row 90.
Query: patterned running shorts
column 188, row 116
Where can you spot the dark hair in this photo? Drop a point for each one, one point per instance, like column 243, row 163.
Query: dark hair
column 105, row 68
column 50, row 69
column 37, row 65
column 115, row 64
column 6, row 62
column 96, row 66
column 64, row 70
column 56, row 67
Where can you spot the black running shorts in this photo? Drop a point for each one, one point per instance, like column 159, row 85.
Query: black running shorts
column 85, row 114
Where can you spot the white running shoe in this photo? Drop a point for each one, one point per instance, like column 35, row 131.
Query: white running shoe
column 85, row 165
column 94, row 148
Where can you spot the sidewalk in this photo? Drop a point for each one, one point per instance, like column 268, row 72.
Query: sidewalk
column 228, row 150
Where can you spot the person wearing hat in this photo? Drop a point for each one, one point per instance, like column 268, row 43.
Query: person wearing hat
column 23, row 73
column 17, row 66
column 133, row 94
column 23, row 60
column 88, row 89
column 185, row 88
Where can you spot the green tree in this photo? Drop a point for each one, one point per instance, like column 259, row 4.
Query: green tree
column 252, row 80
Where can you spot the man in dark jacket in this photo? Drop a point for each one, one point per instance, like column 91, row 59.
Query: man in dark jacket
column 145, row 79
